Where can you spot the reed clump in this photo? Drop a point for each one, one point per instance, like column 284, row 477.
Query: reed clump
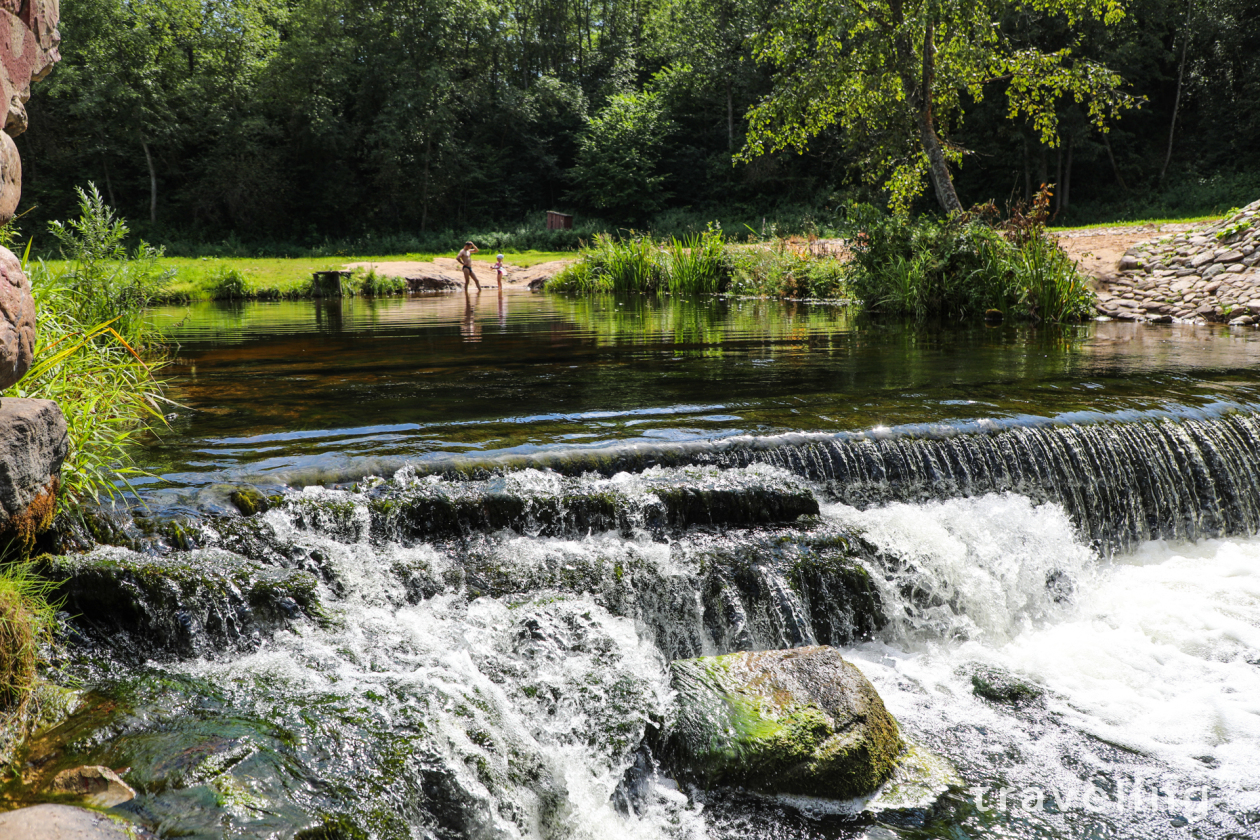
column 26, row 621
column 699, row 264
column 96, row 353
column 962, row 266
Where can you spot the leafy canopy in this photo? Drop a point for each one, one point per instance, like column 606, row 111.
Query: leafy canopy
column 894, row 76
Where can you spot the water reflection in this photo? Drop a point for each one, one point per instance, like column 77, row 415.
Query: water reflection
column 334, row 386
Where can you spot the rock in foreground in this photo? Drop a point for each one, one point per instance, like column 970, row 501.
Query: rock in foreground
column 62, row 822
column 184, row 604
column 800, row 721
column 33, row 445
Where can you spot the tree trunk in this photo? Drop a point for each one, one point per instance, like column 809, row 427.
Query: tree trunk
column 1043, row 172
column 919, row 96
column 730, row 116
column 148, row 158
column 938, row 166
column 1058, row 179
column 1066, row 192
column 1181, row 74
column 424, row 189
column 109, row 183
column 1027, row 170
column 1115, row 169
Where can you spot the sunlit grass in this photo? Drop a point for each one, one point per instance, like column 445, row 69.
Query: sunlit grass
column 196, row 278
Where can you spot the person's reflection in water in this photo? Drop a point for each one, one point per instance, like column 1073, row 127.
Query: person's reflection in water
column 469, row 329
column 502, row 312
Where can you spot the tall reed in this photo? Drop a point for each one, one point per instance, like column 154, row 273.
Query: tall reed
column 96, row 354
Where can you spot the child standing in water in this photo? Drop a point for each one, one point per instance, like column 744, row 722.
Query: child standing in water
column 465, row 260
column 500, row 269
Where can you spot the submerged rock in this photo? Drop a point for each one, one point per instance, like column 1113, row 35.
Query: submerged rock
column 97, row 786
column 184, row 604
column 59, row 822
column 803, row 722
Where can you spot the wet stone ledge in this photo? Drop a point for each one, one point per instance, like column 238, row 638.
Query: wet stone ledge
column 555, row 506
column 184, row 604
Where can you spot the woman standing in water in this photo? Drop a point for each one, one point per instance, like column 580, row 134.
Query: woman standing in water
column 465, row 260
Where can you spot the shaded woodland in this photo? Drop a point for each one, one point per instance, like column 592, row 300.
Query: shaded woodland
column 315, row 120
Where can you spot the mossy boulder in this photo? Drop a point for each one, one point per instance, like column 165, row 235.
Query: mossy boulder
column 183, row 604
column 249, row 501
column 801, row 721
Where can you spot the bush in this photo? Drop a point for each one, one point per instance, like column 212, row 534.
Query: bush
column 371, row 284
column 962, row 266
column 26, row 620
column 227, row 283
column 94, row 353
column 782, row 268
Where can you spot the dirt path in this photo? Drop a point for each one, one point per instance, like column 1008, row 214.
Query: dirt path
column 1098, row 250
column 444, row 272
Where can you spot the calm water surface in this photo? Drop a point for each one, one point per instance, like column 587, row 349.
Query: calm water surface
column 306, row 392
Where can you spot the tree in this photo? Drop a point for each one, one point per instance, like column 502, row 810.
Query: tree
column 618, row 155
column 897, row 72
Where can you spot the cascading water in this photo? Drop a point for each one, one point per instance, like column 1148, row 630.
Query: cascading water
column 469, row 637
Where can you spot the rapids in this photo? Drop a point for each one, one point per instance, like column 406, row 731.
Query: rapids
column 1040, row 548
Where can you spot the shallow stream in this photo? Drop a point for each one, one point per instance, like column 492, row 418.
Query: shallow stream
column 1039, row 544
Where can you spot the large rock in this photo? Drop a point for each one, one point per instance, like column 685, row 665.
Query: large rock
column 63, row 822
column 28, row 51
column 17, row 315
column 184, row 604
column 95, row 785
column 33, row 444
column 800, row 721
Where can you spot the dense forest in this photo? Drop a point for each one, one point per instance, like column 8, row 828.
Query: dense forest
column 300, row 121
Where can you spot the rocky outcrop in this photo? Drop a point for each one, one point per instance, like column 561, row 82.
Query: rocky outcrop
column 63, row 822
column 801, row 721
column 33, row 444
column 1212, row 275
column 17, row 320
column 185, row 604
column 28, row 51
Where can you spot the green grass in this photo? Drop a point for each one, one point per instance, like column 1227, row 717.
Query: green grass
column 1184, row 220
column 197, row 278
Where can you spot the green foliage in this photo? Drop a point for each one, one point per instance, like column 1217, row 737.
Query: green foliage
column 960, row 268
column 619, row 153
column 227, row 283
column 102, row 282
column 94, row 353
column 26, row 622
column 895, row 76
column 782, row 268
column 702, row 264
column 370, row 284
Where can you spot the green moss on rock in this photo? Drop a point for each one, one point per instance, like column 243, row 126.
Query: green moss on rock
column 800, row 721
column 182, row 604
column 249, row 501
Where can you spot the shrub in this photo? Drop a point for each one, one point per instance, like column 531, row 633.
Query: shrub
column 961, row 266
column 227, row 283
column 26, row 620
column 94, row 353
column 371, row 284
column 103, row 282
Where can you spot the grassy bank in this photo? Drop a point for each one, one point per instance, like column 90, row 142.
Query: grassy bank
column 260, row 278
